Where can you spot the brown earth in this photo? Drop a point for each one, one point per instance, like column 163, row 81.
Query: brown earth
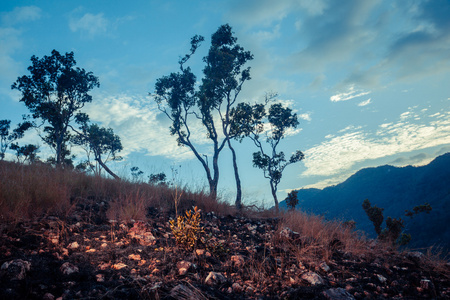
column 88, row 257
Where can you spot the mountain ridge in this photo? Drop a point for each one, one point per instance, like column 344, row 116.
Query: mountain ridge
column 395, row 189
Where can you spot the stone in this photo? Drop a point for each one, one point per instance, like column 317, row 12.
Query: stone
column 337, row 294
column 183, row 267
column 312, row 278
column 236, row 287
column 287, row 233
column 100, row 277
column 215, row 278
column 17, row 268
column 48, row 296
column 381, row 279
column 73, row 245
column 141, row 232
column 67, row 268
column 237, row 260
column 324, row 267
column 119, row 266
column 134, row 256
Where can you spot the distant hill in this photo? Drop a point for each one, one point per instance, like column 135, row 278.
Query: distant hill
column 394, row 189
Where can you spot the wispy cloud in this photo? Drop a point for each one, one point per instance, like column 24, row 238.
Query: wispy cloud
column 351, row 93
column 340, row 153
column 305, row 116
column 90, row 24
column 22, row 14
column 364, row 103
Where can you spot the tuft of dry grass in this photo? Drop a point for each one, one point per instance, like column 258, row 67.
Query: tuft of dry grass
column 318, row 238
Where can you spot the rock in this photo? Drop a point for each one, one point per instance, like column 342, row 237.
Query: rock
column 324, row 267
column 415, row 256
column 73, row 245
column 48, row 296
column 67, row 268
column 183, row 267
column 236, row 287
column 287, row 233
column 141, row 232
column 134, row 256
column 381, row 279
column 17, row 268
column 100, row 277
column 215, row 278
column 337, row 294
column 119, row 266
column 237, row 260
column 312, row 278
column 183, row 292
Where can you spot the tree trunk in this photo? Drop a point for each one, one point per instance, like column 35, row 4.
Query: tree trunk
column 274, row 194
column 107, row 169
column 59, row 141
column 238, row 201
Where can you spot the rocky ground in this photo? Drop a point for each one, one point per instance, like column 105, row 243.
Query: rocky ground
column 88, row 257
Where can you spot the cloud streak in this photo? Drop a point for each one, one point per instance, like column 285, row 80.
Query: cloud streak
column 340, row 153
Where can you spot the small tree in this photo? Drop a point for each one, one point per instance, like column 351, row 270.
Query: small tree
column 247, row 121
column 7, row 137
column 157, row 179
column 393, row 233
column 99, row 141
column 54, row 92
column 26, row 153
column 179, row 99
column 292, row 199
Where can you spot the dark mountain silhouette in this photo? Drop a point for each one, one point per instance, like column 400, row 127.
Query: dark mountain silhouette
column 395, row 189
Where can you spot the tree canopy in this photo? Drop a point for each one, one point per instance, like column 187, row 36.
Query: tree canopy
column 54, row 93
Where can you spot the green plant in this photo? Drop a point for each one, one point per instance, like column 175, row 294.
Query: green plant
column 187, row 229
column 393, row 232
column 292, row 199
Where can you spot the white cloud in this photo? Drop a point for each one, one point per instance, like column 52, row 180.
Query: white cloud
column 339, row 154
column 91, row 24
column 142, row 127
column 364, row 103
column 305, row 116
column 349, row 94
column 22, row 14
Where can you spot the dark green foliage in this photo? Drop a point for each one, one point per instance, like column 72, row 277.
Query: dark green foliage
column 7, row 137
column 291, row 199
column 393, row 233
column 25, row 153
column 418, row 209
column 159, row 178
column 136, row 173
column 54, row 92
column 375, row 215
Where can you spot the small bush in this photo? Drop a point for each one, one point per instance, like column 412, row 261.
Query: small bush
column 187, row 229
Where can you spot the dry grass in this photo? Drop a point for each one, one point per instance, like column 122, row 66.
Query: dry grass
column 29, row 191
column 319, row 238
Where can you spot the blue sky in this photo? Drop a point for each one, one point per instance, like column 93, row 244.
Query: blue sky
column 370, row 80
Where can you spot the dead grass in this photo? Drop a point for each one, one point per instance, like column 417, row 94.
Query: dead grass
column 318, row 238
column 29, row 191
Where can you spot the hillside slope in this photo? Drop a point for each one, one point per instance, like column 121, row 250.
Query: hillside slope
column 394, row 189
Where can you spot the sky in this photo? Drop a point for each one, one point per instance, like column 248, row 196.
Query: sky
column 369, row 80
